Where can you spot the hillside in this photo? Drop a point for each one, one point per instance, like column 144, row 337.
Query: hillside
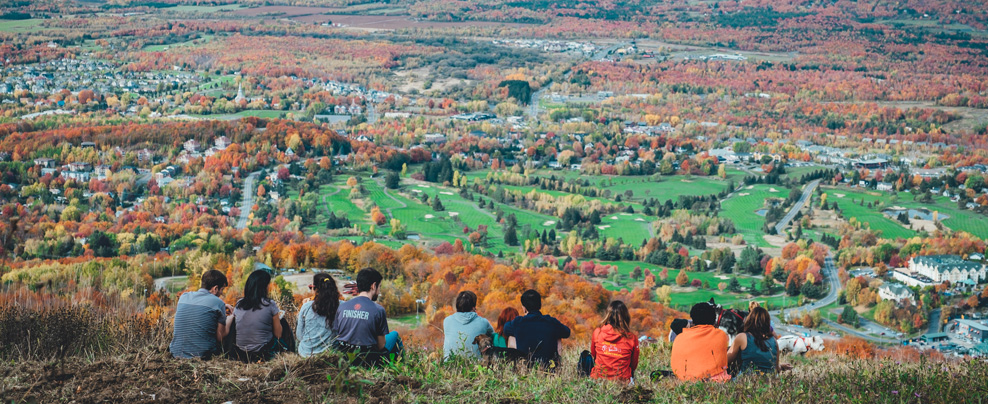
column 151, row 375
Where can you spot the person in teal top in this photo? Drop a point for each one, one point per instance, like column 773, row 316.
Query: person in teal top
column 508, row 314
column 755, row 350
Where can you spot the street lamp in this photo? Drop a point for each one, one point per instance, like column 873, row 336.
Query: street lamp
column 417, row 303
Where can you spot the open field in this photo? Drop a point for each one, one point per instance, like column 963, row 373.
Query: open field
column 194, row 42
column 956, row 219
column 383, row 22
column 685, row 299
column 243, row 114
column 741, row 207
column 873, row 217
column 205, row 9
column 28, row 25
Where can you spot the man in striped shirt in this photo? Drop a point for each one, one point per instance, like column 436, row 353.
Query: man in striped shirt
column 201, row 319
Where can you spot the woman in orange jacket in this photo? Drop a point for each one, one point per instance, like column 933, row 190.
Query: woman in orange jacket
column 613, row 345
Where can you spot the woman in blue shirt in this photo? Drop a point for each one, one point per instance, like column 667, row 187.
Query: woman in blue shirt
column 315, row 319
column 755, row 350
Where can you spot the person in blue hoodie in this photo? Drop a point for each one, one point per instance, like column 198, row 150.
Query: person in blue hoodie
column 461, row 328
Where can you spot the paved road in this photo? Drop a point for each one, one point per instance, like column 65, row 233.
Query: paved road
column 807, row 193
column 533, row 108
column 934, row 321
column 859, row 334
column 247, row 202
column 160, row 283
column 830, row 275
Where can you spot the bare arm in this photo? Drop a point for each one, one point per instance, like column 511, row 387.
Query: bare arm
column 276, row 326
column 740, row 342
column 222, row 329
column 381, row 342
column 512, row 343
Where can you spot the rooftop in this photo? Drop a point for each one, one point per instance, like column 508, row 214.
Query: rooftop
column 944, row 263
column 972, row 324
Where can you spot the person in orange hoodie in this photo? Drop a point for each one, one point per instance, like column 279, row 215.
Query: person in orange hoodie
column 700, row 352
column 613, row 345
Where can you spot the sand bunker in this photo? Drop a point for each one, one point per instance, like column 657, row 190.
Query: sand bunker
column 773, row 190
column 743, row 194
column 639, row 220
column 749, row 187
column 603, row 227
column 417, row 191
column 446, row 193
column 625, row 214
column 454, row 214
column 839, row 195
column 548, row 223
column 613, row 217
column 429, row 216
column 424, row 186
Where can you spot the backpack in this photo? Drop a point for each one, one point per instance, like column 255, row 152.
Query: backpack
column 585, row 363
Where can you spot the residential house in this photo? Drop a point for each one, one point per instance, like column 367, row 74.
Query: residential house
column 895, row 292
column 192, row 146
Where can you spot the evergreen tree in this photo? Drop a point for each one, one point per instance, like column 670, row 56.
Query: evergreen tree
column 391, row 180
column 510, row 236
column 734, row 285
column 437, row 205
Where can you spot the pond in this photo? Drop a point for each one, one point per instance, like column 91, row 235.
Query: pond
column 921, row 214
column 761, row 212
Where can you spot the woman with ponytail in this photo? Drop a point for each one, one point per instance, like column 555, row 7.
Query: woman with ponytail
column 315, row 319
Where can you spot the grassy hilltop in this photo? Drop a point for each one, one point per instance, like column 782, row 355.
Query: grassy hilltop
column 87, row 358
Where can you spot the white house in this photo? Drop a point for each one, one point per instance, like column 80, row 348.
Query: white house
column 951, row 268
column 895, row 292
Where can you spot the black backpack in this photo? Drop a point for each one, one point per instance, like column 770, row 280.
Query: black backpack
column 586, row 363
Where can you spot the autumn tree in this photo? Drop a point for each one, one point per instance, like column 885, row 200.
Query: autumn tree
column 682, row 279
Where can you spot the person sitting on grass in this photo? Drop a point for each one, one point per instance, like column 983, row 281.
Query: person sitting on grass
column 314, row 329
column 700, row 351
column 361, row 323
column 202, row 320
column 260, row 325
column 613, row 346
column 508, row 314
column 755, row 350
column 536, row 334
column 461, row 328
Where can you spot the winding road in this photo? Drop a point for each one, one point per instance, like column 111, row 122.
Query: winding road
column 807, row 193
column 830, row 275
column 247, row 202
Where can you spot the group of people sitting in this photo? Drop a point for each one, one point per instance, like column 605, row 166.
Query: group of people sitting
column 701, row 351
column 255, row 330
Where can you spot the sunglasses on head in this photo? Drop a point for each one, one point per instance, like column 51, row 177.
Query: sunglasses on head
column 312, row 287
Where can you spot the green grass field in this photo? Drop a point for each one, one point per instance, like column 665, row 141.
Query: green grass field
column 741, row 207
column 20, row 26
column 685, row 299
column 873, row 217
column 204, row 9
column 243, row 114
column 160, row 48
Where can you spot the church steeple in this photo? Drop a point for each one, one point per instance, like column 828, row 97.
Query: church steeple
column 240, row 93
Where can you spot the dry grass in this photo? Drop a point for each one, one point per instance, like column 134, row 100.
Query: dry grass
column 107, row 358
